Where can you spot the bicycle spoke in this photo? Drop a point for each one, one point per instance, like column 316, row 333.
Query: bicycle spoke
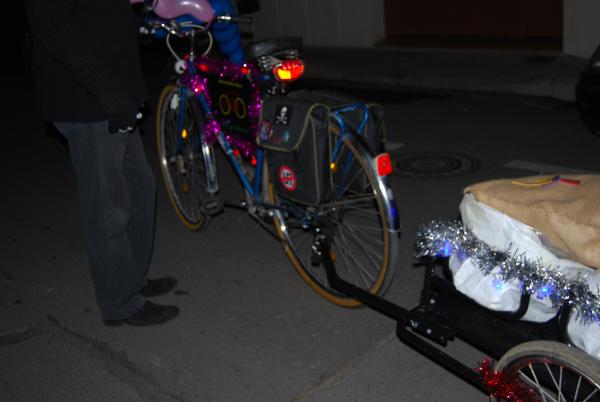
column 360, row 242
column 303, row 240
column 558, row 387
column 369, row 254
column 560, row 381
column 351, row 250
column 189, row 165
column 362, row 211
column 590, row 395
column 348, row 262
column 366, row 277
column 375, row 232
column 348, row 184
column 374, row 238
column 361, row 198
column 539, row 387
column 577, row 389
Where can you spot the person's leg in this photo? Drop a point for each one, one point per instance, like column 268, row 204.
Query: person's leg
column 99, row 162
column 142, row 201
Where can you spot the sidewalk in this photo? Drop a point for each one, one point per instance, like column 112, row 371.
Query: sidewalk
column 250, row 328
column 529, row 73
column 545, row 74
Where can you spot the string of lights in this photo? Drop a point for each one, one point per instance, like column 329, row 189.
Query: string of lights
column 442, row 239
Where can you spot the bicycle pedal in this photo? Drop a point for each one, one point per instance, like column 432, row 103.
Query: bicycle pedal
column 212, row 205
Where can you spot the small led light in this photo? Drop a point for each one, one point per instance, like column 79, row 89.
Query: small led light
column 384, row 164
column 185, row 187
column 447, row 250
column 332, row 166
column 288, row 70
column 544, row 291
column 184, row 134
column 498, row 284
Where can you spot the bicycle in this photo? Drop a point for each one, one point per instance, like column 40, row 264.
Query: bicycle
column 323, row 241
column 216, row 100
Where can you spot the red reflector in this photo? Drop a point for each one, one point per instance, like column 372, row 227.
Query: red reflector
column 288, row 70
column 384, row 164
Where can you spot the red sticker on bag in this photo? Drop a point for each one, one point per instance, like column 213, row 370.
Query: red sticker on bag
column 287, row 178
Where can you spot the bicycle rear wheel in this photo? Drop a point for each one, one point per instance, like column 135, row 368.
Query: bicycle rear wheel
column 551, row 371
column 181, row 156
column 361, row 220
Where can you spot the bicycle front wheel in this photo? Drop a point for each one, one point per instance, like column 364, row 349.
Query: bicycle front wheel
column 551, row 371
column 181, row 156
column 361, row 220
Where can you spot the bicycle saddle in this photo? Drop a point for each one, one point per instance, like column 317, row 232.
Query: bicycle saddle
column 270, row 46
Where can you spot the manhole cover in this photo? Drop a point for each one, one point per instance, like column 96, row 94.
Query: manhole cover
column 431, row 164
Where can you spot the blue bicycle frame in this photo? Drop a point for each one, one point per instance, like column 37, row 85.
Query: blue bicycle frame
column 227, row 37
column 254, row 186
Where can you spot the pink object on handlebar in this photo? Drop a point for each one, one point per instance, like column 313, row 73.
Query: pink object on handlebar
column 201, row 9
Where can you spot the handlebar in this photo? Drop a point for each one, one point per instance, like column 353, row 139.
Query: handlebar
column 182, row 25
column 236, row 19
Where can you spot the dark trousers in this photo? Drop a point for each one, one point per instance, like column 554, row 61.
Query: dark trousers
column 117, row 199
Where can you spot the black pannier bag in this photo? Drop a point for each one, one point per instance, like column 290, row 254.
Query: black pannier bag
column 295, row 131
column 373, row 132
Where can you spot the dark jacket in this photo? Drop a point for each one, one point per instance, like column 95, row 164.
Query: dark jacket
column 85, row 58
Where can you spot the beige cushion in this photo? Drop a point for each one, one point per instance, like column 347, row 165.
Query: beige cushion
column 568, row 215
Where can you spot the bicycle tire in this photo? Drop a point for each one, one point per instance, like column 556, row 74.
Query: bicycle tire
column 562, row 367
column 346, row 242
column 183, row 173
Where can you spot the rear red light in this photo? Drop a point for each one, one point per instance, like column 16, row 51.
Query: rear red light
column 384, row 164
column 288, row 70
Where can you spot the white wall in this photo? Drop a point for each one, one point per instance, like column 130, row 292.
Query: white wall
column 360, row 23
column 354, row 23
column 581, row 27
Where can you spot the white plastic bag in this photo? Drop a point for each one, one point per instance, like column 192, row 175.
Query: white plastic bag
column 503, row 233
column 586, row 337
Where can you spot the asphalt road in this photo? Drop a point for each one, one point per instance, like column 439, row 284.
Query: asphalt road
column 250, row 329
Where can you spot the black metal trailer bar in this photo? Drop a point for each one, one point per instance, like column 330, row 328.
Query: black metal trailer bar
column 444, row 314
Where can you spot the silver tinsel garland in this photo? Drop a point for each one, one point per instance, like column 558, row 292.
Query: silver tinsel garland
column 442, row 239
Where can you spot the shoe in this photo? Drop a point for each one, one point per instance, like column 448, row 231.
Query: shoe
column 149, row 314
column 158, row 287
